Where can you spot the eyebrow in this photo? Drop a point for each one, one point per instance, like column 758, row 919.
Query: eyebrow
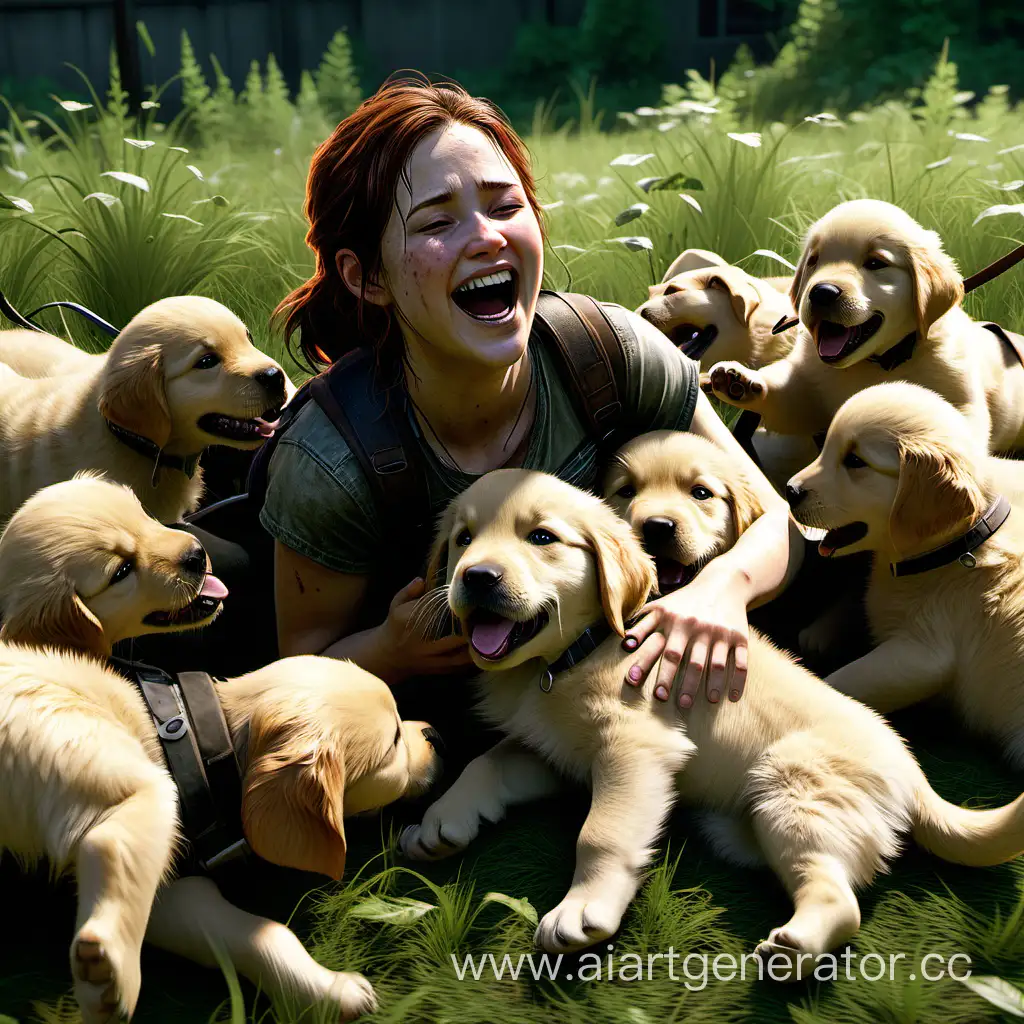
column 447, row 196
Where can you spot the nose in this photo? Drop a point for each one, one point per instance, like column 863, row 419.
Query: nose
column 481, row 579
column 645, row 312
column 824, row 295
column 433, row 737
column 794, row 495
column 271, row 380
column 487, row 238
column 658, row 529
column 193, row 561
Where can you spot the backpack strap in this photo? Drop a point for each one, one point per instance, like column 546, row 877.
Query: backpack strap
column 592, row 358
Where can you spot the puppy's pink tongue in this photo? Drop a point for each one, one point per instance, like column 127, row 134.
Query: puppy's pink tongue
column 212, row 587
column 488, row 638
column 831, row 344
column 266, row 429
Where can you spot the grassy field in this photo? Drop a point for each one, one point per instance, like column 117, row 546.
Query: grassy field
column 116, row 214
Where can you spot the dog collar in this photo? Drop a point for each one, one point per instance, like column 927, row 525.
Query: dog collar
column 959, row 549
column 898, row 354
column 586, row 643
column 184, row 463
column 201, row 757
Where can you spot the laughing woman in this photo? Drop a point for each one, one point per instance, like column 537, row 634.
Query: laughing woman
column 427, row 232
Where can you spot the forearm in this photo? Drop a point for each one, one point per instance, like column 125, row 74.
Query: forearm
column 765, row 559
column 367, row 649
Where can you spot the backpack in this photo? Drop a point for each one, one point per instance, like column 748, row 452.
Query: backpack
column 588, row 353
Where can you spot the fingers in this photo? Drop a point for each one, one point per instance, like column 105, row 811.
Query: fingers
column 447, row 644
column 639, row 632
column 717, row 666
column 646, row 658
column 692, row 663
column 412, row 590
column 739, row 672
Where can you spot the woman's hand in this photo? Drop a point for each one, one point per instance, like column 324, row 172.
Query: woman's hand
column 697, row 628
column 406, row 650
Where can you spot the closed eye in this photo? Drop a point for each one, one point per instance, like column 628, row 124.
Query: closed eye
column 627, row 491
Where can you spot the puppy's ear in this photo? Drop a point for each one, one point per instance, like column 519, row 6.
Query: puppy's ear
column 132, row 393
column 937, row 493
column 436, row 573
column 938, row 286
column 796, row 286
column 745, row 298
column 692, row 259
column 626, row 573
column 293, row 796
column 746, row 505
column 50, row 613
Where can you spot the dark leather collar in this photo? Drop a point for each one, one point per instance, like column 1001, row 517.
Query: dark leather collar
column 586, row 643
column 899, row 353
column 959, row 549
column 201, row 757
column 183, row 463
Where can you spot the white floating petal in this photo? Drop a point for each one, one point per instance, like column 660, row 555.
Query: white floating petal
column 74, row 105
column 634, row 242
column 182, row 216
column 139, row 143
column 15, row 173
column 104, row 197
column 970, row 137
column 569, row 248
column 630, row 159
column 752, row 139
column 687, row 198
column 938, row 163
column 128, row 179
column 772, row 255
column 195, row 170
column 553, row 206
column 631, row 213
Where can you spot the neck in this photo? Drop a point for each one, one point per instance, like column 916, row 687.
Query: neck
column 472, row 413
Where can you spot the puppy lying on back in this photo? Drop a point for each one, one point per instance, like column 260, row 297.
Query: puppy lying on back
column 181, row 376
column 87, row 789
column 531, row 564
column 83, row 566
column 879, row 300
column 902, row 475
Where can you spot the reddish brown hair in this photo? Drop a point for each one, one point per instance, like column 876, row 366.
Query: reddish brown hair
column 350, row 194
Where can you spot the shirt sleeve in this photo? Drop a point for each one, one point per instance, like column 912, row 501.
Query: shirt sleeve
column 316, row 511
column 663, row 383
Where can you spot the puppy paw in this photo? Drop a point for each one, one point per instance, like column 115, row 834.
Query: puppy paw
column 352, row 995
column 107, row 981
column 439, row 835
column 734, row 383
column 784, row 956
column 578, row 922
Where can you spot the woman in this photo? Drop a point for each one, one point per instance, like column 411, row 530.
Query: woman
column 427, row 232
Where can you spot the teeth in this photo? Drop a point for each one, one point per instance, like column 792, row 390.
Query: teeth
column 501, row 277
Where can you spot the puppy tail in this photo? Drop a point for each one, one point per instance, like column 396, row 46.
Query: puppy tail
column 977, row 838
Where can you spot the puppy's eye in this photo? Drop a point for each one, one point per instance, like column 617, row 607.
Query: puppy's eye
column 123, row 571
column 672, row 289
column 701, row 493
column 207, row 362
column 464, row 539
column 541, row 537
column 853, row 461
column 874, row 263
column 627, row 491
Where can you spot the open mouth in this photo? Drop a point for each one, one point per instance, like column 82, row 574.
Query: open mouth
column 233, row 429
column 841, row 537
column 203, row 607
column 672, row 574
column 836, row 341
column 692, row 340
column 490, row 298
column 494, row 636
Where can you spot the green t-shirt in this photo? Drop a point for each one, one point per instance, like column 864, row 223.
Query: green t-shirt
column 319, row 503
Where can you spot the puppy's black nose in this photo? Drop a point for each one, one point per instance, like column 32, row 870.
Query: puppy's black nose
column 272, row 380
column 481, row 579
column 794, row 495
column 433, row 737
column 658, row 529
column 193, row 561
column 646, row 314
column 824, row 294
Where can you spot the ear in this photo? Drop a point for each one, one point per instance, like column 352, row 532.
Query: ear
column 626, row 573
column 796, row 286
column 351, row 272
column 50, row 613
column 292, row 797
column 746, row 505
column 692, row 259
column 132, row 393
column 937, row 494
column 745, row 298
column 938, row 286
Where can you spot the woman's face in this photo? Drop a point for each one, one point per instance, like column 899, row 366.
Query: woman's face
column 462, row 252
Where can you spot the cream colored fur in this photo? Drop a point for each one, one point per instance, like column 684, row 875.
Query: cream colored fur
column 148, row 383
column 85, row 787
column 827, row 787
column 953, row 631
column 917, row 288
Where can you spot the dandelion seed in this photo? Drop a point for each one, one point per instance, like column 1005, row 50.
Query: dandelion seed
column 139, row 143
column 73, row 105
column 127, row 179
column 195, row 170
column 630, row 159
column 182, row 216
column 631, row 213
column 687, row 198
column 998, row 210
column 752, row 139
column 104, row 197
column 938, row 163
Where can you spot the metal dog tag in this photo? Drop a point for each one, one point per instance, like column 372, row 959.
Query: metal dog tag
column 547, row 680
column 967, row 560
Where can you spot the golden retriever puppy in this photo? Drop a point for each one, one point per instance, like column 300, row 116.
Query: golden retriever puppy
column 86, row 788
column 34, row 354
column 534, row 569
column 181, row 376
column 879, row 300
column 902, row 476
column 83, row 566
